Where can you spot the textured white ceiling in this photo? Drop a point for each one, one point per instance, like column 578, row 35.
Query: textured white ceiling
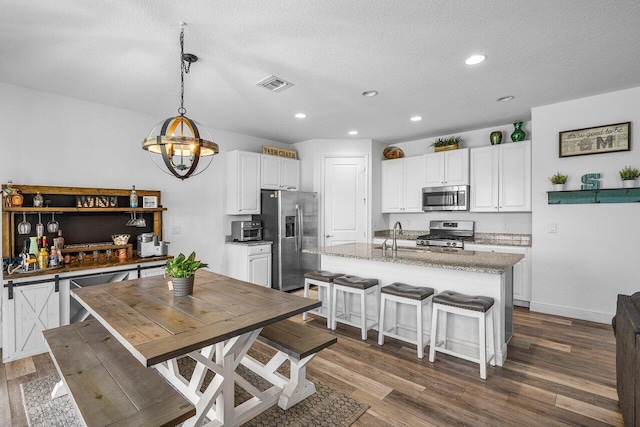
column 126, row 54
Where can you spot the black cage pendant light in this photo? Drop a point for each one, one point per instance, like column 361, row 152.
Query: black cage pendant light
column 177, row 139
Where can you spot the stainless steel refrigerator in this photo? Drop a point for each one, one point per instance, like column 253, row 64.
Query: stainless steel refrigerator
column 290, row 221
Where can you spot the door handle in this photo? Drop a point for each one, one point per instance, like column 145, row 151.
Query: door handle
column 328, row 235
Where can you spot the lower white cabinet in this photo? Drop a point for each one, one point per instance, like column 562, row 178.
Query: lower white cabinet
column 249, row 262
column 521, row 271
column 27, row 310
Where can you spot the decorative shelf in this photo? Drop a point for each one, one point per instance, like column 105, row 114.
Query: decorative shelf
column 31, row 209
column 603, row 195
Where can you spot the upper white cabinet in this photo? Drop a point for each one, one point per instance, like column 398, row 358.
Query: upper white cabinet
column 447, row 168
column 243, row 183
column 279, row 173
column 501, row 178
column 402, row 182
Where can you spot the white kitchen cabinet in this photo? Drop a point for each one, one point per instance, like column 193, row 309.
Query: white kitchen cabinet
column 447, row 168
column 249, row 262
column 501, row 178
column 279, row 173
column 521, row 271
column 243, row 183
column 402, row 182
column 28, row 310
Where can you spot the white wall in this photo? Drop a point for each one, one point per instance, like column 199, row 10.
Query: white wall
column 49, row 139
column 594, row 255
column 519, row 223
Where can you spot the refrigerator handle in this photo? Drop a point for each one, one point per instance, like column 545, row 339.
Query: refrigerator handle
column 300, row 228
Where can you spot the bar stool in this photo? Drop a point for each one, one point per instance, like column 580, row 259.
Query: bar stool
column 479, row 307
column 401, row 293
column 324, row 281
column 354, row 285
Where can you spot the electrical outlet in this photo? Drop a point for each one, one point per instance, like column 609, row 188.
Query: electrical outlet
column 552, row 228
column 176, row 229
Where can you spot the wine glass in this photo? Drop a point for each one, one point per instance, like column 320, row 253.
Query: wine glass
column 24, row 227
column 53, row 225
column 40, row 226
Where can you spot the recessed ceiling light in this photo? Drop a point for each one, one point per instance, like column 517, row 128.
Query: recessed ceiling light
column 475, row 59
column 301, row 116
column 370, row 93
column 416, row 118
column 505, row 98
column 353, row 132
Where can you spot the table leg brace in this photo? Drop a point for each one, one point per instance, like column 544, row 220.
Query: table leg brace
column 295, row 388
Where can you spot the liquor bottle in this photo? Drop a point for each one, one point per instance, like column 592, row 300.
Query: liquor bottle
column 60, row 240
column 53, row 257
column 44, row 241
column 38, row 200
column 133, row 198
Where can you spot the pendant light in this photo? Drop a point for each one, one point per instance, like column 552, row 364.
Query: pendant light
column 177, row 139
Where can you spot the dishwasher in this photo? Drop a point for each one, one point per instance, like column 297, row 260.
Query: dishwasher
column 77, row 313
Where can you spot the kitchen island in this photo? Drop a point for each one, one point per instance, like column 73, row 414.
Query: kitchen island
column 469, row 272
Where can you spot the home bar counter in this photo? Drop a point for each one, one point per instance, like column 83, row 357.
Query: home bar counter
column 468, row 272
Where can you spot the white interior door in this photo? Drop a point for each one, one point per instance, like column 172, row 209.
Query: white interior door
column 345, row 200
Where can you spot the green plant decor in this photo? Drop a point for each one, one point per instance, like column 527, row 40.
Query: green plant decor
column 629, row 173
column 443, row 142
column 559, row 178
column 181, row 266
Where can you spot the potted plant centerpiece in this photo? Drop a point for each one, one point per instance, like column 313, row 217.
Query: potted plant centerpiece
column 628, row 175
column 558, row 180
column 182, row 271
column 444, row 144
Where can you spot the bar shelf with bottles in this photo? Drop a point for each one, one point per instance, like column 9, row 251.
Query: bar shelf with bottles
column 79, row 223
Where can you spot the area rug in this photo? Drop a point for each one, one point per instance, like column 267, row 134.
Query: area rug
column 327, row 407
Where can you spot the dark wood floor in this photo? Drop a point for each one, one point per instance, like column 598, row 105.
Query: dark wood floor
column 559, row 372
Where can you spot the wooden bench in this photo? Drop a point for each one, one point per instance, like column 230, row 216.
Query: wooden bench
column 298, row 343
column 107, row 384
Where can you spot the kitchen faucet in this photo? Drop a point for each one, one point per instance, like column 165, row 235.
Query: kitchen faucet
column 397, row 225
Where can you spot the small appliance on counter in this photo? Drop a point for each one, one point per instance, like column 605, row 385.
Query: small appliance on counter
column 149, row 245
column 245, row 231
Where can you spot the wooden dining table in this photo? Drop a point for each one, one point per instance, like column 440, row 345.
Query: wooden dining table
column 215, row 326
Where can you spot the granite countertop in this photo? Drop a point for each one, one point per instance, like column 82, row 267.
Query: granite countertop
column 492, row 239
column 475, row 261
column 251, row 243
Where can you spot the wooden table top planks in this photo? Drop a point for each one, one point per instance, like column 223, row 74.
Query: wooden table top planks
column 155, row 326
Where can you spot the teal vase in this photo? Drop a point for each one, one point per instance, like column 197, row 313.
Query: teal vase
column 33, row 247
column 495, row 137
column 518, row 134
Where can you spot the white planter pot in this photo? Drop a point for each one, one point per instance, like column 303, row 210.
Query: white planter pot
column 558, row 187
column 629, row 183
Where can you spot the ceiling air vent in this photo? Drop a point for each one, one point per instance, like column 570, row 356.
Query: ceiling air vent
column 274, row 84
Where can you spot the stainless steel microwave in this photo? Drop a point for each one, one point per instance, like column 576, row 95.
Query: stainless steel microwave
column 448, row 198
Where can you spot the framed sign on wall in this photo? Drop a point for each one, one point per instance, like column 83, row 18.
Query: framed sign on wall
column 596, row 140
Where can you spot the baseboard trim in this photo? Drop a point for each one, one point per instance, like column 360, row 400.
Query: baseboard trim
column 573, row 313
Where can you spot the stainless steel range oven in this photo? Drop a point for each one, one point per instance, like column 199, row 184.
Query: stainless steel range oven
column 449, row 234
